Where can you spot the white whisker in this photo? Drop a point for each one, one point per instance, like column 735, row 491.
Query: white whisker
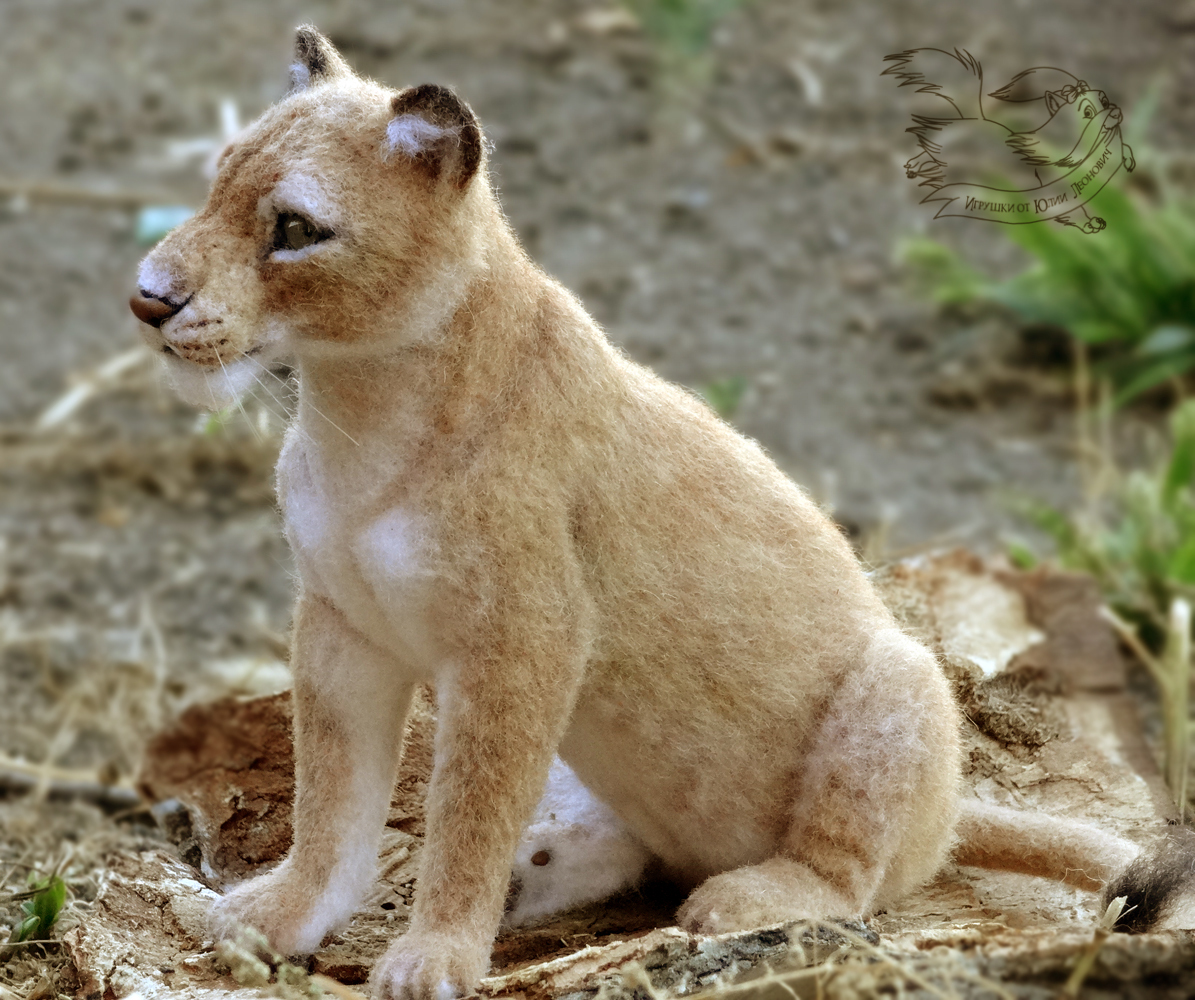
column 264, row 388
column 237, row 397
column 285, row 409
column 312, row 405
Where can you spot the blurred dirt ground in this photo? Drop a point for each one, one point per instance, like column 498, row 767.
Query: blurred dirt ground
column 750, row 234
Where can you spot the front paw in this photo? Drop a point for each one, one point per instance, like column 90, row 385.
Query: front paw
column 277, row 905
column 424, row 966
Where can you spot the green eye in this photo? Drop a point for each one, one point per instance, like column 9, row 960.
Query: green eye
column 294, row 232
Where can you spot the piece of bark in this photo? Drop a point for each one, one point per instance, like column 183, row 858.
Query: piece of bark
column 144, row 930
column 231, row 765
column 1080, row 646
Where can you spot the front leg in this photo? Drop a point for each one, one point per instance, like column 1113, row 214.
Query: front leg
column 502, row 709
column 350, row 704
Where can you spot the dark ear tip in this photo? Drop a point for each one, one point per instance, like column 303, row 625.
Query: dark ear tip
column 442, row 108
column 439, row 105
column 307, row 37
column 316, row 52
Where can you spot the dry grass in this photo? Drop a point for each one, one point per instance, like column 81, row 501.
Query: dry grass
column 826, row 961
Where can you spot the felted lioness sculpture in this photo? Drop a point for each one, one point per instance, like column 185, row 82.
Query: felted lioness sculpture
column 484, row 496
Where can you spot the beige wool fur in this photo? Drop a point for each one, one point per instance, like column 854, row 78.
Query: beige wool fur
column 484, row 495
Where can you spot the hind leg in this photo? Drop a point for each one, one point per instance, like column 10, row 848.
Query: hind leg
column 875, row 809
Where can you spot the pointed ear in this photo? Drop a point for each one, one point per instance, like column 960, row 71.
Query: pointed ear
column 1054, row 100
column 316, row 59
column 437, row 131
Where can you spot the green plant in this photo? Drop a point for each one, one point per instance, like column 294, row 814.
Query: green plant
column 681, row 33
column 683, row 27
column 725, row 395
column 1129, row 289
column 43, row 901
column 1136, row 536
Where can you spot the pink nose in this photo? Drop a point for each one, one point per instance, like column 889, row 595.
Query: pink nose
column 151, row 309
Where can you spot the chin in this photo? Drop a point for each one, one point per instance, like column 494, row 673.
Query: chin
column 209, row 388
column 215, row 388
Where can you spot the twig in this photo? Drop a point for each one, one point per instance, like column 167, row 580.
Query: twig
column 1084, row 445
column 21, row 776
column 21, row 944
column 1129, row 637
column 1172, row 673
column 73, row 193
column 1176, row 661
column 64, row 407
column 11, row 871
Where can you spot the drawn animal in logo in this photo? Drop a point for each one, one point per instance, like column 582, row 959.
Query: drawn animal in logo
column 1069, row 153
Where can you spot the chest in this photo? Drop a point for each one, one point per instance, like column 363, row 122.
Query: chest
column 374, row 559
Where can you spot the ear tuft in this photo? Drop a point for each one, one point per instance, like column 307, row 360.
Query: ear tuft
column 316, row 59
column 437, row 131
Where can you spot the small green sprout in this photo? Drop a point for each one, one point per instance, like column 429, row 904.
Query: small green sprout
column 1020, row 555
column 685, row 27
column 212, row 424
column 43, row 901
column 725, row 395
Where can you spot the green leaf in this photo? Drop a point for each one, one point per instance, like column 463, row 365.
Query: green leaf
column 48, row 902
column 1182, row 563
column 1182, row 456
column 685, row 26
column 1130, row 287
column 938, row 273
column 1021, row 556
column 1155, row 374
column 26, row 930
column 725, row 394
column 47, row 896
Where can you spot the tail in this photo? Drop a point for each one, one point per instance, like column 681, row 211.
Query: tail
column 952, row 89
column 1038, row 844
column 1159, row 885
column 1159, row 882
column 953, row 82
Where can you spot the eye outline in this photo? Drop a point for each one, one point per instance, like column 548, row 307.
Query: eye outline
column 1088, row 110
column 281, row 248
